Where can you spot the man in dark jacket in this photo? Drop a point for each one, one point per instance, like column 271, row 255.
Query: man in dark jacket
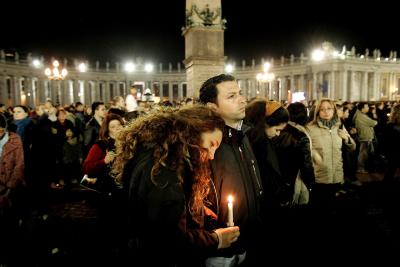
column 92, row 129
column 235, row 170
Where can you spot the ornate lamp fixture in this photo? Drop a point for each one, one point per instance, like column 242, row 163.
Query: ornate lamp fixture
column 265, row 76
column 55, row 74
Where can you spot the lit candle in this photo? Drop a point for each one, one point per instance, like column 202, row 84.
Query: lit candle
column 230, row 211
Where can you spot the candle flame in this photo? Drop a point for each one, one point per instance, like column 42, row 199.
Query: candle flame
column 230, row 199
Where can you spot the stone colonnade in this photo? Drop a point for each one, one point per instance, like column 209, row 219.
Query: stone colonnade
column 18, row 89
column 348, row 80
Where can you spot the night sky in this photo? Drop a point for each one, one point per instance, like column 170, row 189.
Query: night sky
column 152, row 29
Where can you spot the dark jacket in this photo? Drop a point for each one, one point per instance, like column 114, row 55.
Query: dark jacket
column 294, row 154
column 392, row 142
column 275, row 187
column 91, row 134
column 60, row 137
column 236, row 173
column 160, row 224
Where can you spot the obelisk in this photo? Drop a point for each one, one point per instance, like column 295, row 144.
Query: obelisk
column 204, row 42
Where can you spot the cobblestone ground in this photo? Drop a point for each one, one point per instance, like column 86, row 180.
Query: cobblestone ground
column 67, row 232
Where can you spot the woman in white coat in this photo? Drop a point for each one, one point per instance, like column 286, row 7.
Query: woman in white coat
column 327, row 139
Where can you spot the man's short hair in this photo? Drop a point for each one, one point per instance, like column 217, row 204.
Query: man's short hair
column 3, row 121
column 96, row 104
column 209, row 91
column 298, row 113
column 361, row 105
column 26, row 110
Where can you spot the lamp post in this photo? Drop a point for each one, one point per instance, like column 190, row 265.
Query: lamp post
column 55, row 75
column 266, row 77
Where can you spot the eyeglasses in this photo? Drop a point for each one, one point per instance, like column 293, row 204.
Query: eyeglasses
column 326, row 109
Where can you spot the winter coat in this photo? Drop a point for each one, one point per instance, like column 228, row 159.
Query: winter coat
column 12, row 162
column 236, row 173
column 276, row 189
column 327, row 153
column 95, row 167
column 365, row 126
column 294, row 153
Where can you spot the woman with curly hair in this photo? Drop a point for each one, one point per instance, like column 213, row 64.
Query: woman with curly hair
column 162, row 160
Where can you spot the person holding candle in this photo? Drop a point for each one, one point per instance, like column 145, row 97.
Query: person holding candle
column 162, row 161
column 235, row 169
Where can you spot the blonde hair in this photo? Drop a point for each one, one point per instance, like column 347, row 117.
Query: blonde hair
column 395, row 115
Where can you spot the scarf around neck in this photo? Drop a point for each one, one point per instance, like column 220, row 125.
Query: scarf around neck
column 329, row 123
column 21, row 126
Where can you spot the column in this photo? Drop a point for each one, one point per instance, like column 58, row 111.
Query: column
column 350, row 87
column 35, row 85
column 364, row 87
column 180, row 91
column 271, row 87
column 263, row 89
column 161, row 90
column 151, row 86
column 315, row 85
column 344, row 95
column 320, row 81
column 379, row 78
column 170, row 93
column 86, row 93
column 96, row 90
column 283, row 90
column 388, row 86
column 40, row 95
column 392, row 85
column 292, row 87
column 65, row 99
column 51, row 92
column 116, row 90
column 17, row 90
column 27, row 91
column 375, row 92
column 253, row 88
column 245, row 87
column 303, row 83
column 76, row 91
column 331, row 87
column 106, row 92
column 3, row 89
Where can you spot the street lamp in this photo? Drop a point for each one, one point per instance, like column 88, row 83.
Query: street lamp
column 55, row 75
column 266, row 76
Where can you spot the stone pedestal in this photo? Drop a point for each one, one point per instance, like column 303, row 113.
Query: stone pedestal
column 204, row 56
column 198, row 71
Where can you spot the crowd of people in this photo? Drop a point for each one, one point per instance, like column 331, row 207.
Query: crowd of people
column 168, row 173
